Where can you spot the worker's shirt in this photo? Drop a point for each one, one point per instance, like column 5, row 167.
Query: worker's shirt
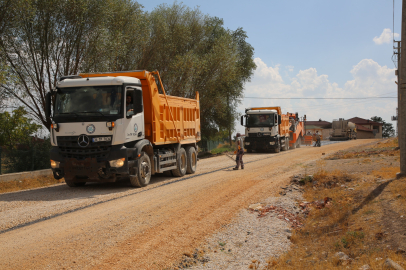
column 238, row 141
column 318, row 136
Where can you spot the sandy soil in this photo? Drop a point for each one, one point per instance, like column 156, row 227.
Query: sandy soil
column 113, row 226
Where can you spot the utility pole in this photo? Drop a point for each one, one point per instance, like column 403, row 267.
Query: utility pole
column 396, row 53
column 402, row 99
column 395, row 118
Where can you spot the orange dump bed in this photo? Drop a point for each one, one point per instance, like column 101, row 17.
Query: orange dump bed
column 186, row 119
column 297, row 131
column 168, row 119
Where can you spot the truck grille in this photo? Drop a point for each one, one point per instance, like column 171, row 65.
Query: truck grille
column 69, row 148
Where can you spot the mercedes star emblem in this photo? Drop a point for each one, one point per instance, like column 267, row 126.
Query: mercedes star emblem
column 83, row 141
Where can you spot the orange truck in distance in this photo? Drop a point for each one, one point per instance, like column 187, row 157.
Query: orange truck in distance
column 116, row 125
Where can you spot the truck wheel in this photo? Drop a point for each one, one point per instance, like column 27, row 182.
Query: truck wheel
column 71, row 183
column 191, row 160
column 278, row 148
column 143, row 176
column 285, row 147
column 181, row 164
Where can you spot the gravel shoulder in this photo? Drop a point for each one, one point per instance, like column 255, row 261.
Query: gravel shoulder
column 249, row 238
column 113, row 226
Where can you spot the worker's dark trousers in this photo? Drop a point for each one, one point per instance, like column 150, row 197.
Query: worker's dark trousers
column 239, row 160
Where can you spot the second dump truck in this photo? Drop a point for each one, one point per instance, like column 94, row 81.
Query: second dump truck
column 266, row 128
column 108, row 126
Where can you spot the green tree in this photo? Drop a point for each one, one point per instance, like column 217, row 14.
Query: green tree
column 192, row 51
column 52, row 38
column 387, row 128
column 16, row 128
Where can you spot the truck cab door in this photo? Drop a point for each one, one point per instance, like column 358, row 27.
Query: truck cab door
column 134, row 116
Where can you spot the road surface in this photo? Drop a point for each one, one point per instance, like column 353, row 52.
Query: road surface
column 115, row 226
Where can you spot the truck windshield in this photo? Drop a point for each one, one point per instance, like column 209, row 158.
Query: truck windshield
column 260, row 120
column 89, row 100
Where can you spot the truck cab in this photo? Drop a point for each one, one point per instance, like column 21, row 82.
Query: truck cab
column 261, row 129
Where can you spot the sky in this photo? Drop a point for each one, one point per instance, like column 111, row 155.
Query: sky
column 315, row 49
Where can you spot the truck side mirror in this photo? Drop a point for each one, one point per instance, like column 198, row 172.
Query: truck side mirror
column 138, row 108
column 242, row 120
column 48, row 105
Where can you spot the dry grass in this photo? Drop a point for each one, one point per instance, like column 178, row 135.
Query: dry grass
column 386, row 172
column 392, row 142
column 380, row 149
column 342, row 226
column 398, row 192
column 28, row 183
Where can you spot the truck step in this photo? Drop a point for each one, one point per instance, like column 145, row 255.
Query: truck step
column 167, row 169
column 172, row 161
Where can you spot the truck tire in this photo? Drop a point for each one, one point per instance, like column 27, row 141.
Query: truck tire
column 278, row 148
column 71, row 183
column 191, row 160
column 282, row 148
column 181, row 164
column 286, row 145
column 143, row 176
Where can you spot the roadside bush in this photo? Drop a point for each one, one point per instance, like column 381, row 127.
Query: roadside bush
column 34, row 156
column 223, row 148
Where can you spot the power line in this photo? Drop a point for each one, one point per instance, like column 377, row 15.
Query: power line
column 343, row 103
column 318, row 98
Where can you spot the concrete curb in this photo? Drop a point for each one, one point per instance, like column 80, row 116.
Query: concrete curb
column 23, row 175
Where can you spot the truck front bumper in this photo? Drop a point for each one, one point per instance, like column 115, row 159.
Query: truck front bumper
column 261, row 143
column 92, row 169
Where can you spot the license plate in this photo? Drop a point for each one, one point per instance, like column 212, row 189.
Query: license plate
column 101, row 139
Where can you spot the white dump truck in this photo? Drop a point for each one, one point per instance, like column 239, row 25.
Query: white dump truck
column 266, row 128
column 108, row 126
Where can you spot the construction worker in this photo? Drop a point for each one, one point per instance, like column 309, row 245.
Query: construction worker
column 239, row 152
column 318, row 143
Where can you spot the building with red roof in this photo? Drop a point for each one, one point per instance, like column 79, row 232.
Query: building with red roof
column 367, row 129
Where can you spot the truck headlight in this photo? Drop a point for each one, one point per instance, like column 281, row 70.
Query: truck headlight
column 247, row 143
column 271, row 143
column 117, row 162
column 54, row 164
column 110, row 125
column 55, row 126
